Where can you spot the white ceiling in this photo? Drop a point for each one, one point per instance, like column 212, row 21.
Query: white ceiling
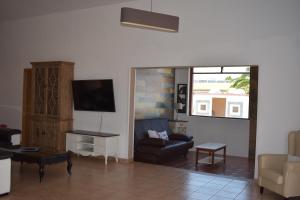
column 18, row 9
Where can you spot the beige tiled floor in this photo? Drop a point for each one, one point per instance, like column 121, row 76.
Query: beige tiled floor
column 134, row 181
column 235, row 166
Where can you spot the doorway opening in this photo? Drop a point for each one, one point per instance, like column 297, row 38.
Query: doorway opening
column 156, row 92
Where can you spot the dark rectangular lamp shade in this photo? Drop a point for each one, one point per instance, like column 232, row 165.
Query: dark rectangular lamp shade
column 147, row 19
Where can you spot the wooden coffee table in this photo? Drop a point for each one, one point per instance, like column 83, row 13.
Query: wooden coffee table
column 210, row 148
column 42, row 158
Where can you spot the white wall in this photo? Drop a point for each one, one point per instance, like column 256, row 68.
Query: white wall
column 212, row 32
column 232, row 132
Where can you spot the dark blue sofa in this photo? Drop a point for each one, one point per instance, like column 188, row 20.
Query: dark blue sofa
column 157, row 150
column 6, row 135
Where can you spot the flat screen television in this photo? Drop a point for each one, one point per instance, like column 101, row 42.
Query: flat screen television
column 94, row 95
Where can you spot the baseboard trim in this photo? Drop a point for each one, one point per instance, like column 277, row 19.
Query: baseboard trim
column 126, row 161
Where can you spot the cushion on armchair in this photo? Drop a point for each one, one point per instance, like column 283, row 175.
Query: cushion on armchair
column 181, row 137
column 153, row 142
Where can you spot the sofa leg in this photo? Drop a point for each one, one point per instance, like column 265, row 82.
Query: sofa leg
column 185, row 154
column 261, row 190
column 1, row 195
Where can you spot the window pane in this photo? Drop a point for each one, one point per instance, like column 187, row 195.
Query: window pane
column 241, row 69
column 207, row 69
column 221, row 95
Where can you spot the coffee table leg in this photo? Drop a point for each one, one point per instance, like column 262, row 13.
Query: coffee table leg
column 69, row 167
column 196, row 164
column 41, row 172
column 212, row 158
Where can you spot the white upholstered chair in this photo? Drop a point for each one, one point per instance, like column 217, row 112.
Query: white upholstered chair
column 281, row 173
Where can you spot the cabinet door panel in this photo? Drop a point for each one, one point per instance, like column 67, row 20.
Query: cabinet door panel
column 50, row 135
column 52, row 91
column 39, row 83
column 36, row 135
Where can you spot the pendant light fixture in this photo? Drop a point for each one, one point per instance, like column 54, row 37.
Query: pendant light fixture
column 149, row 19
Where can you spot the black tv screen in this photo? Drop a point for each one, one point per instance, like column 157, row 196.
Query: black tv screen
column 94, row 95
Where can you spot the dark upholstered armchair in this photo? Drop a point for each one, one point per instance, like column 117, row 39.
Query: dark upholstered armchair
column 156, row 150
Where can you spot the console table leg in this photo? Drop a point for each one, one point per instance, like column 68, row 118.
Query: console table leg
column 69, row 166
column 106, row 151
column 41, row 172
column 117, row 149
column 105, row 159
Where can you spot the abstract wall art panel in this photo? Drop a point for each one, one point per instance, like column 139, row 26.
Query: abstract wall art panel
column 154, row 94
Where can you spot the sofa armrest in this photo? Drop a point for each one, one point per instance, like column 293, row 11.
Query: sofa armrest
column 271, row 161
column 181, row 137
column 153, row 142
column 291, row 173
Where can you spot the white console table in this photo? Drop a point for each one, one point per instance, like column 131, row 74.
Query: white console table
column 89, row 143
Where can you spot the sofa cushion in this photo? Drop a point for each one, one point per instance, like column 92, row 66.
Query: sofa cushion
column 153, row 142
column 180, row 137
column 163, row 135
column 160, row 135
column 292, row 158
column 153, row 134
column 272, row 175
column 172, row 145
column 5, row 143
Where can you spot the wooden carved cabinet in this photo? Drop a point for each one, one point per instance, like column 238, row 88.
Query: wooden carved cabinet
column 52, row 110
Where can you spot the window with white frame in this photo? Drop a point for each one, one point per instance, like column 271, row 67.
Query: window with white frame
column 220, row 91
